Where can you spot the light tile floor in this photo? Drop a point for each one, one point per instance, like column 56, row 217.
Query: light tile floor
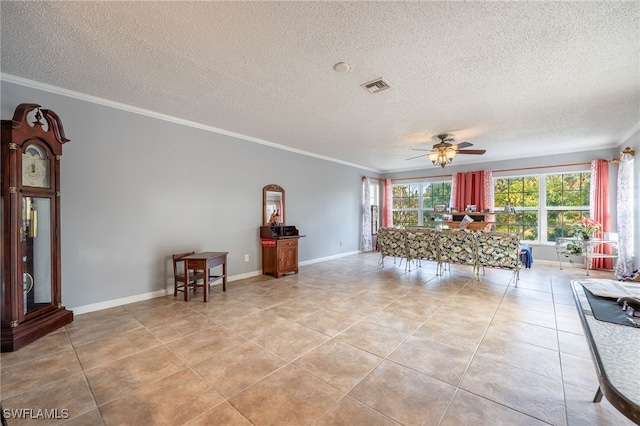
column 341, row 343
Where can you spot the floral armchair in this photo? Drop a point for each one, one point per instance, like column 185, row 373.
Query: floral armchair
column 458, row 246
column 392, row 242
column 422, row 244
column 498, row 250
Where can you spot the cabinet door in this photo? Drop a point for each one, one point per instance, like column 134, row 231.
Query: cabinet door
column 288, row 255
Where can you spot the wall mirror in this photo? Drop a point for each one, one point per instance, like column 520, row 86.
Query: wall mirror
column 273, row 208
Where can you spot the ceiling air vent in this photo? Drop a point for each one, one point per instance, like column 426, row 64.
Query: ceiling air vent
column 377, row 85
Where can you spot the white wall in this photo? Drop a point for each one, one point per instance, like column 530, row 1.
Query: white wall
column 136, row 189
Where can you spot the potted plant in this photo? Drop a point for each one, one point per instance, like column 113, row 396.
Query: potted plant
column 572, row 249
column 585, row 228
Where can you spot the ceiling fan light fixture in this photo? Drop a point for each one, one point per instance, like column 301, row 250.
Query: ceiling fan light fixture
column 442, row 156
column 450, row 154
column 445, row 151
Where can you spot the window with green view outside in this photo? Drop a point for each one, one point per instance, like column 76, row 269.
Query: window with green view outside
column 567, row 201
column 547, row 205
column 413, row 203
column 523, row 194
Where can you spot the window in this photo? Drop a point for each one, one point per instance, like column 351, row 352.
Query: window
column 406, row 200
column 523, row 194
column 413, row 203
column 567, row 201
column 374, row 191
column 547, row 205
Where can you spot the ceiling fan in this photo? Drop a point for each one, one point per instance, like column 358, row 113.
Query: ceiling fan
column 444, row 151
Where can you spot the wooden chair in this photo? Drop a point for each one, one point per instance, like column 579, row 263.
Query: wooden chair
column 182, row 277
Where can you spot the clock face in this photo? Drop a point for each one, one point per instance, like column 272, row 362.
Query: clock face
column 35, row 167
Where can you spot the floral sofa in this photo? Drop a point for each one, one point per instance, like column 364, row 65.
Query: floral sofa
column 478, row 249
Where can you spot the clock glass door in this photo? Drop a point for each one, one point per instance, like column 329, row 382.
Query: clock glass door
column 36, row 253
column 35, row 167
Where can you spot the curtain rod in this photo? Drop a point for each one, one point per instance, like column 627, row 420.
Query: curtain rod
column 627, row 150
column 544, row 167
column 503, row 170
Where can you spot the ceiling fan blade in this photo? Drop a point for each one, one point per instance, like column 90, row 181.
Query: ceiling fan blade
column 423, row 155
column 472, row 151
column 418, row 149
column 464, row 144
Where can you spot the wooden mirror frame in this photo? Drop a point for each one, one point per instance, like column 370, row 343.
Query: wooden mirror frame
column 266, row 215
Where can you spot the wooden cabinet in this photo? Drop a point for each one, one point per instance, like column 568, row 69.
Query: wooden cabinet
column 281, row 258
column 279, row 250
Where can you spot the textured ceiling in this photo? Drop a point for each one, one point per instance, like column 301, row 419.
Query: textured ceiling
column 518, row 79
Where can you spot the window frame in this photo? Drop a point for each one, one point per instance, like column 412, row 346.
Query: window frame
column 520, row 209
column 420, row 210
column 543, row 209
column 584, row 209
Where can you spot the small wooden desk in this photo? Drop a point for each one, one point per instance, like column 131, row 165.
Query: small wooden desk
column 204, row 262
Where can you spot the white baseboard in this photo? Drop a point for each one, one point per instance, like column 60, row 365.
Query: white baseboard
column 146, row 296
column 324, row 259
column 118, row 302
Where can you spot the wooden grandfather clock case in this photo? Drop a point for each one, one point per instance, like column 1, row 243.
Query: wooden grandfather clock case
column 30, row 153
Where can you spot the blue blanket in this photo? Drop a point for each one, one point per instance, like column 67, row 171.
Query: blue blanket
column 525, row 255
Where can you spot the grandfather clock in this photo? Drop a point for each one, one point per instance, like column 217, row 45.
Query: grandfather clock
column 30, row 248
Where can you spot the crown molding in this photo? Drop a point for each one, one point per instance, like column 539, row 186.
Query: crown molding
column 141, row 111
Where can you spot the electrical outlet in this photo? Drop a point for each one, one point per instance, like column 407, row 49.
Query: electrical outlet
column 246, row 257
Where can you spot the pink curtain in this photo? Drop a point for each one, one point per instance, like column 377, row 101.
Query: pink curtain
column 475, row 188
column 387, row 218
column 599, row 210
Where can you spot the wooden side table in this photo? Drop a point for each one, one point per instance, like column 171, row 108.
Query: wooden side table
column 204, row 262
